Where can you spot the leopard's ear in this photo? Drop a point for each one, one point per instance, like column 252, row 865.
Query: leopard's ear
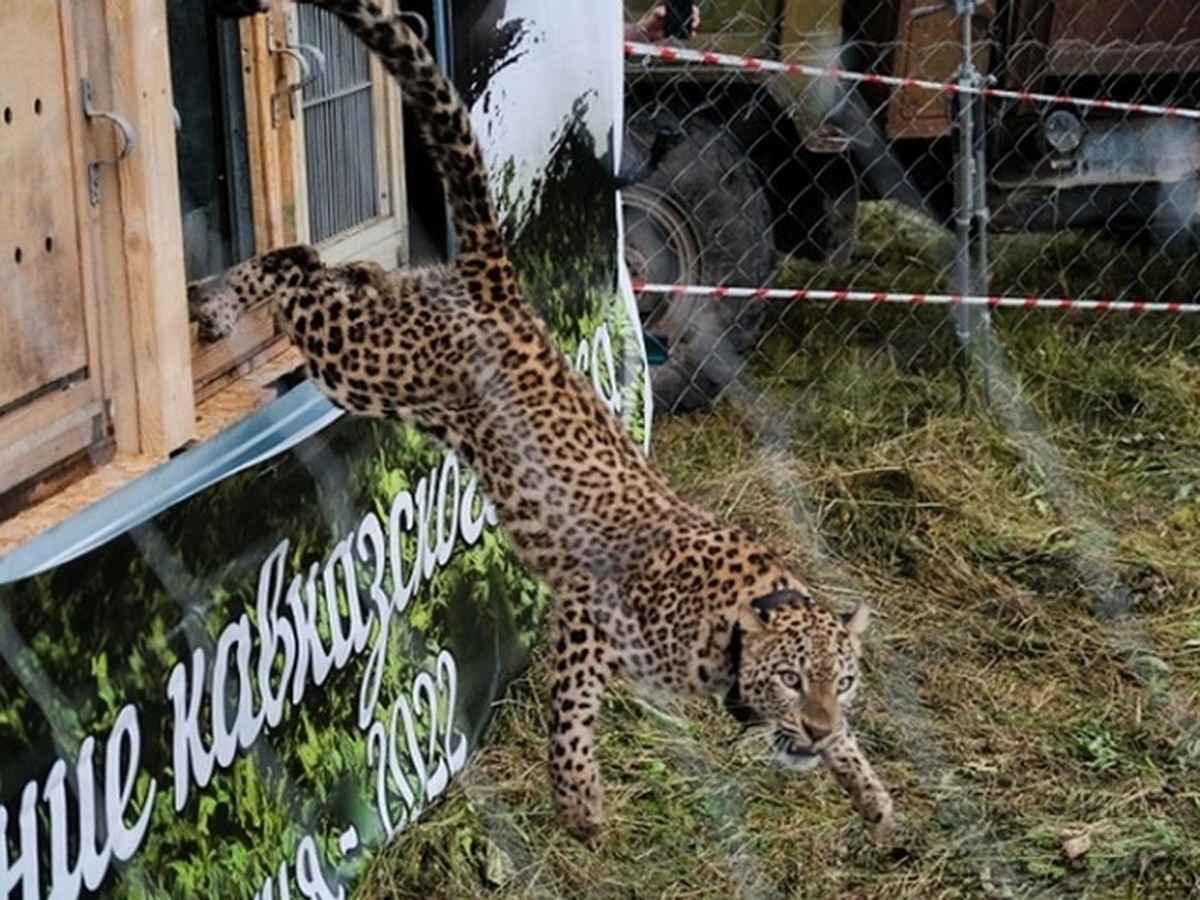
column 857, row 620
column 769, row 602
column 283, row 260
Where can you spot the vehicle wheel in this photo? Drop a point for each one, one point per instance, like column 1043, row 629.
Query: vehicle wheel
column 702, row 217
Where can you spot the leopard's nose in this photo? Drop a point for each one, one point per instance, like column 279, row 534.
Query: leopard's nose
column 817, row 733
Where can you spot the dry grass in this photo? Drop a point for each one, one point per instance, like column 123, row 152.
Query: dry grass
column 1033, row 674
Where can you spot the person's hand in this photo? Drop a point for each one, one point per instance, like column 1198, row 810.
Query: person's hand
column 652, row 27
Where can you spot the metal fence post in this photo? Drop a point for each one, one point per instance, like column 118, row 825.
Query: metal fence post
column 981, row 326
column 972, row 324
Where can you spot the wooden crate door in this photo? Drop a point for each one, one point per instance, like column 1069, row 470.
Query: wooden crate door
column 48, row 372
column 42, row 333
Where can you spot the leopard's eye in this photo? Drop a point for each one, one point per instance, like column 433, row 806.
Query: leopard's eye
column 789, row 677
column 845, row 683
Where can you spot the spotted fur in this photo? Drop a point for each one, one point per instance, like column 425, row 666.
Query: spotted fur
column 647, row 586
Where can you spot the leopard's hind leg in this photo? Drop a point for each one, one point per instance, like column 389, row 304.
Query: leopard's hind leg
column 583, row 666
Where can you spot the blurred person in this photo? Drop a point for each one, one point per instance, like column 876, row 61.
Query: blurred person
column 651, row 28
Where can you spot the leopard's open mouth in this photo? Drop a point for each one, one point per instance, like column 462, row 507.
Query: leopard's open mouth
column 793, row 753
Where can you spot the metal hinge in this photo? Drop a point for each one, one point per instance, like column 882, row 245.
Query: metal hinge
column 123, row 126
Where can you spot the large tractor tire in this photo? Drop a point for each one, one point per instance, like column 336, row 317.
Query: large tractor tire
column 702, row 217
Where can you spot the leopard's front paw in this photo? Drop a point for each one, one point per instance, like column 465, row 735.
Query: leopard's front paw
column 581, row 819
column 879, row 818
column 883, row 831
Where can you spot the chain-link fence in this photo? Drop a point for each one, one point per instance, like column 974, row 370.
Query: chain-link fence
column 1044, row 151
column 925, row 278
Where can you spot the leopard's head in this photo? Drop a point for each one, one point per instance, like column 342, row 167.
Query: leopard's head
column 797, row 673
column 217, row 303
column 214, row 306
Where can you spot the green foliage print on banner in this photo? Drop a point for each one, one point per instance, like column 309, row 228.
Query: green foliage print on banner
column 563, row 248
column 352, row 753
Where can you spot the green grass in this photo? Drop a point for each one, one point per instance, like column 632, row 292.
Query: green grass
column 1033, row 672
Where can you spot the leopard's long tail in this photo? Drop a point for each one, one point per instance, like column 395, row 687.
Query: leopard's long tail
column 443, row 119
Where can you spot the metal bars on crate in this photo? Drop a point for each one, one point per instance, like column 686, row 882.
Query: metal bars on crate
column 339, row 130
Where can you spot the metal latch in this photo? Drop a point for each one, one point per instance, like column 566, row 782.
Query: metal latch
column 123, row 126
column 300, row 52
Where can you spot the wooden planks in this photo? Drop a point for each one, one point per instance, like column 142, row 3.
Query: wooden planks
column 266, row 158
column 153, row 238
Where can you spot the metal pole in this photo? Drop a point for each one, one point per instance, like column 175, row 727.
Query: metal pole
column 980, row 218
column 972, row 325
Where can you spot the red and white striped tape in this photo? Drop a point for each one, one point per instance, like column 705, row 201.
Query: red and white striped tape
column 921, row 299
column 708, row 58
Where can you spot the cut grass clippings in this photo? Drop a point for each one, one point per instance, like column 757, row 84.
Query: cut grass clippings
column 1033, row 671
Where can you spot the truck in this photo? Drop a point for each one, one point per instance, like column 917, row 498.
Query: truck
column 763, row 165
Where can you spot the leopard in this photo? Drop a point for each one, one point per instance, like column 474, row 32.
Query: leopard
column 217, row 302
column 647, row 586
